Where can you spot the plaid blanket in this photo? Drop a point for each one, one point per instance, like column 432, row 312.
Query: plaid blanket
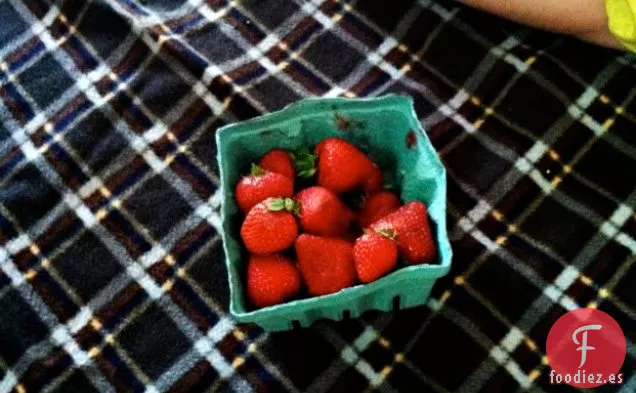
column 111, row 272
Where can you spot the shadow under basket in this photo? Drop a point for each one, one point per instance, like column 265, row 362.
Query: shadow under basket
column 387, row 129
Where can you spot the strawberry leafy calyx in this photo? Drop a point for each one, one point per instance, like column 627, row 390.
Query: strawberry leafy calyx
column 283, row 204
column 256, row 170
column 304, row 163
column 389, row 233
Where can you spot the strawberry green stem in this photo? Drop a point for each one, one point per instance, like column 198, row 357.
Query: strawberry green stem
column 389, row 233
column 287, row 204
column 304, row 163
column 257, row 170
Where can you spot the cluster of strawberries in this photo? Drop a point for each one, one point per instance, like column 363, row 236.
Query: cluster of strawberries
column 333, row 245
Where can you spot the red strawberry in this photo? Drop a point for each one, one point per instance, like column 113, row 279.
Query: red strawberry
column 412, row 232
column 270, row 226
column 375, row 180
column 374, row 255
column 326, row 263
column 322, row 213
column 377, row 206
column 271, row 279
column 278, row 161
column 341, row 166
column 260, row 185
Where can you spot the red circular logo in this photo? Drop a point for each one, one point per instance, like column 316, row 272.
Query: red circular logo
column 586, row 348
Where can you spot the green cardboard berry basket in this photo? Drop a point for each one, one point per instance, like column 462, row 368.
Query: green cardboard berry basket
column 386, row 128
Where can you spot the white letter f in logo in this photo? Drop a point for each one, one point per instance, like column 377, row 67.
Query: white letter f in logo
column 584, row 348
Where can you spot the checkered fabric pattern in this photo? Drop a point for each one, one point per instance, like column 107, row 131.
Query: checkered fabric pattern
column 111, row 272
